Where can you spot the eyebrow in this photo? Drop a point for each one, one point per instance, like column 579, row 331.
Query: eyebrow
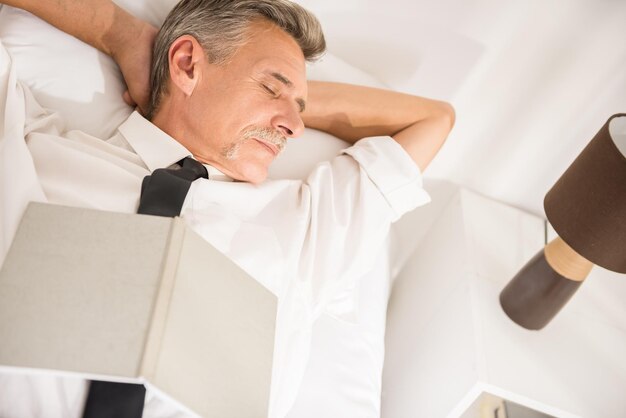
column 288, row 83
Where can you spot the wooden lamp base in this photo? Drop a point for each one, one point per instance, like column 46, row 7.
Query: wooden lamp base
column 544, row 285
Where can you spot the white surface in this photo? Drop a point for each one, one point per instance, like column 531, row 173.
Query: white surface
column 448, row 339
column 532, row 81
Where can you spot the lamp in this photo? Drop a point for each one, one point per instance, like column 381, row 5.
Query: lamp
column 587, row 209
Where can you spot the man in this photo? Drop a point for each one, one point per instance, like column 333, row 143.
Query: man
column 229, row 88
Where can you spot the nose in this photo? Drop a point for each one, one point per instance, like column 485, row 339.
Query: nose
column 289, row 123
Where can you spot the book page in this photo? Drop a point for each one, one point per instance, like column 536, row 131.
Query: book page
column 216, row 354
column 77, row 290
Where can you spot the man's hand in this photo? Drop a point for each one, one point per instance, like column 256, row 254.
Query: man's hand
column 134, row 57
column 105, row 26
column 351, row 112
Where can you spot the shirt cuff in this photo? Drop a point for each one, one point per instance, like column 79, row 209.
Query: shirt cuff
column 393, row 172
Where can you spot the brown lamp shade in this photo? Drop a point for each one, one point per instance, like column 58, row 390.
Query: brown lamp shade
column 587, row 205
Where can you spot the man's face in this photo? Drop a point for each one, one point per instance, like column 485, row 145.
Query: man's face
column 243, row 111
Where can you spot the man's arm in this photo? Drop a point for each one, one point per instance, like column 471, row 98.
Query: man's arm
column 107, row 27
column 351, row 112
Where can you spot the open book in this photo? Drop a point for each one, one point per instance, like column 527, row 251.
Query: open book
column 136, row 298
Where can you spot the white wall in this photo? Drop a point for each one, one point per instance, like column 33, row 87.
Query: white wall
column 532, row 81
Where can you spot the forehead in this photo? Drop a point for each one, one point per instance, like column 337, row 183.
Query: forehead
column 270, row 50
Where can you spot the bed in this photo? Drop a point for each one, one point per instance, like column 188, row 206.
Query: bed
column 344, row 375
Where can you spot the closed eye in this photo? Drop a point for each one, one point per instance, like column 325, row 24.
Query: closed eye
column 269, row 90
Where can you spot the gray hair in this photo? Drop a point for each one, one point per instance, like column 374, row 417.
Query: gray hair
column 220, row 26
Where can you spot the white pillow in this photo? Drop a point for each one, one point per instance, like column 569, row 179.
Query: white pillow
column 65, row 74
column 85, row 86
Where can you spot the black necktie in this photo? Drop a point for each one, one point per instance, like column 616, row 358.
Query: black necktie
column 163, row 194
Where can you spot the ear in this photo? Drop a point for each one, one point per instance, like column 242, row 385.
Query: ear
column 185, row 59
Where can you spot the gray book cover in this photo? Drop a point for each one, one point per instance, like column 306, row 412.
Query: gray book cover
column 136, row 298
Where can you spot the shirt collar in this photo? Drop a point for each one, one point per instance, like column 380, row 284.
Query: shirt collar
column 156, row 148
column 215, row 174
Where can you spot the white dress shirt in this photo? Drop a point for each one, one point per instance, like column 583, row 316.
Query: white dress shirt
column 306, row 241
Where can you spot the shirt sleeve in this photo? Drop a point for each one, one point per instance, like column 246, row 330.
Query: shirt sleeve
column 392, row 171
column 353, row 201
column 18, row 179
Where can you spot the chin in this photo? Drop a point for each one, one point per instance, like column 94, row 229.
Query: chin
column 253, row 174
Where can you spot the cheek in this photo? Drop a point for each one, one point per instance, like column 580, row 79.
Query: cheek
column 220, row 117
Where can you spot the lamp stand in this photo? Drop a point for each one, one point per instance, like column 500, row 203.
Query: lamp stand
column 544, row 285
